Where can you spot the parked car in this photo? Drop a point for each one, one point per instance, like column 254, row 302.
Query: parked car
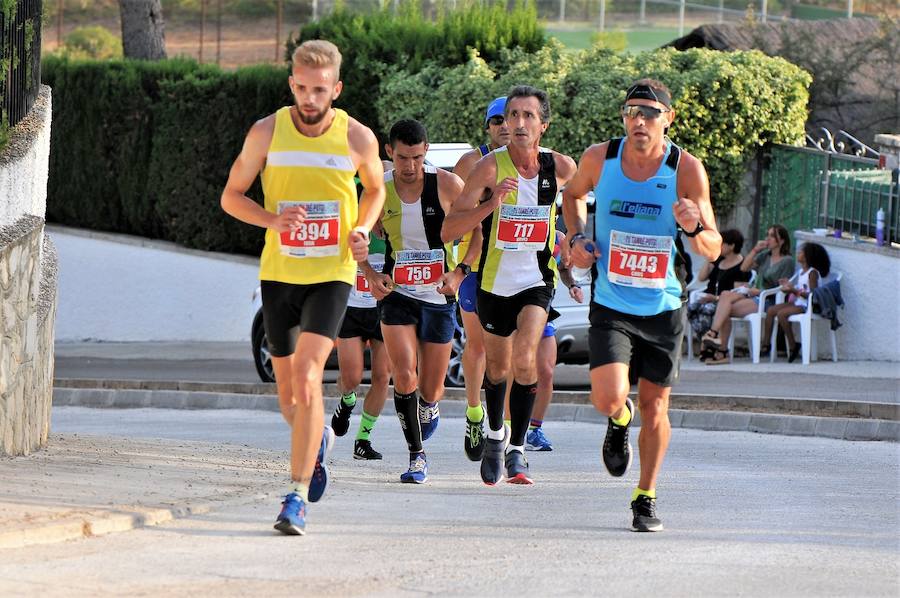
column 571, row 326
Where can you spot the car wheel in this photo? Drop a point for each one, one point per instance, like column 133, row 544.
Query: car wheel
column 262, row 359
column 455, row 376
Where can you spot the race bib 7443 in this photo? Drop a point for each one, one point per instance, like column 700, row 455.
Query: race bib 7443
column 638, row 260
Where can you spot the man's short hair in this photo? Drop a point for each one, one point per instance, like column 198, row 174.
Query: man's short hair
column 527, row 91
column 318, row 53
column 409, row 132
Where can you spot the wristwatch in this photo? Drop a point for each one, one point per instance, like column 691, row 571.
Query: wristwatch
column 574, row 238
column 466, row 269
column 696, row 231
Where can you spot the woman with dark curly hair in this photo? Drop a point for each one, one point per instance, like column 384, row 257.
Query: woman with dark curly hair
column 814, row 266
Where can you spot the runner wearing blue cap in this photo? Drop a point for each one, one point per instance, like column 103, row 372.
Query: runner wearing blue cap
column 473, row 359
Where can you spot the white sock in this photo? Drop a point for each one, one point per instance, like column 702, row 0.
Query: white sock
column 513, row 447
column 495, row 434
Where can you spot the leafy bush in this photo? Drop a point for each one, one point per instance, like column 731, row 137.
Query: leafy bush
column 92, row 42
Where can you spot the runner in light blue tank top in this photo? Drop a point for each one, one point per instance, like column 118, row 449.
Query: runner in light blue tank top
column 635, row 231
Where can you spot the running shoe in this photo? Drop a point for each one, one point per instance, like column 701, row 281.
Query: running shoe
column 644, row 510
column 340, row 421
column 417, row 472
column 536, row 441
column 429, row 417
column 292, row 519
column 517, row 468
column 362, row 449
column 474, row 441
column 320, row 472
column 616, row 448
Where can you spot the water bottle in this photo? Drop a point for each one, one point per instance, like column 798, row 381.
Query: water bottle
column 879, row 227
column 582, row 276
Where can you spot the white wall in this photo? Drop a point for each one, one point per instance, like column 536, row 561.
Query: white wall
column 120, row 288
column 871, row 291
column 23, row 178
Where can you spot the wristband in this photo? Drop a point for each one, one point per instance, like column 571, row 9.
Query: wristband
column 695, row 232
column 574, row 238
column 363, row 230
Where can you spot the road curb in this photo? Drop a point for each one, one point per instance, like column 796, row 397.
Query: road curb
column 793, row 417
column 99, row 523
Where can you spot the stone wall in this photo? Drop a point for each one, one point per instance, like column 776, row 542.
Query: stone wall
column 28, row 282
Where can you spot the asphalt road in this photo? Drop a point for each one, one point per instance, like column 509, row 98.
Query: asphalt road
column 746, row 514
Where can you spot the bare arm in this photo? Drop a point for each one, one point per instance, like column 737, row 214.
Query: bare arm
column 449, row 188
column 244, row 171
column 466, row 163
column 575, row 203
column 364, row 151
column 694, row 206
column 468, row 210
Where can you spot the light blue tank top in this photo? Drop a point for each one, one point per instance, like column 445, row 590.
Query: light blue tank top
column 635, row 231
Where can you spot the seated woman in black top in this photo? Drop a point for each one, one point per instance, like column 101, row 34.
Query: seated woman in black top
column 722, row 275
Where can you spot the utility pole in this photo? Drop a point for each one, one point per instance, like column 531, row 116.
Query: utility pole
column 202, row 20
column 278, row 30
column 681, row 18
column 59, row 20
column 602, row 16
column 218, row 32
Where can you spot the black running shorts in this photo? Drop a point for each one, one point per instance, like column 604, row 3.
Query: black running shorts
column 650, row 344
column 434, row 322
column 499, row 315
column 361, row 322
column 289, row 309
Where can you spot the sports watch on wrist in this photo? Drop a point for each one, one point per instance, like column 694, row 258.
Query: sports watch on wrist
column 466, row 269
column 695, row 232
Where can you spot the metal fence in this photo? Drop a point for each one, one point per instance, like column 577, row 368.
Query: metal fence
column 849, row 202
column 20, row 58
column 805, row 188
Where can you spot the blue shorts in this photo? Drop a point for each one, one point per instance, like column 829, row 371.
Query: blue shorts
column 434, row 322
column 466, row 292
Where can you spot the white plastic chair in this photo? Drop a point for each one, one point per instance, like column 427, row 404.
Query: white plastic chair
column 692, row 297
column 754, row 325
column 808, row 340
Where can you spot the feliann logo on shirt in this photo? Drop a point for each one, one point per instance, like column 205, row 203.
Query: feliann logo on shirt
column 661, row 186
column 429, row 211
column 545, row 184
column 634, row 209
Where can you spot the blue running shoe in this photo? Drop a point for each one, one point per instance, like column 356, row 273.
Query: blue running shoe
column 429, row 416
column 418, row 471
column 292, row 519
column 319, row 480
column 536, row 441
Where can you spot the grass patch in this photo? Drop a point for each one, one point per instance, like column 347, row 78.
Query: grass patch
column 638, row 40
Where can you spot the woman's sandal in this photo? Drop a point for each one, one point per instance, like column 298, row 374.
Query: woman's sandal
column 719, row 357
column 711, row 340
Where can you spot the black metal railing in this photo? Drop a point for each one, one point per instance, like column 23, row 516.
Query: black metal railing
column 20, row 58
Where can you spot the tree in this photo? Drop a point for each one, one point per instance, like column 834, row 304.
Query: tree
column 143, row 29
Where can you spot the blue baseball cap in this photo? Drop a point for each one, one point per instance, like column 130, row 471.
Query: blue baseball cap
column 495, row 108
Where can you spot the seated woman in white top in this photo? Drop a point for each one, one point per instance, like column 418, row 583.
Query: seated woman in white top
column 814, row 266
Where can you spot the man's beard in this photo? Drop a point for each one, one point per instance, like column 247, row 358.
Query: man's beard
column 312, row 119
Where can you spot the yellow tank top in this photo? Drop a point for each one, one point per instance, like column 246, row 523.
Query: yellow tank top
column 317, row 173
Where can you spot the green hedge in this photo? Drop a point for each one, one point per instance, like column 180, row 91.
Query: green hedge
column 145, row 147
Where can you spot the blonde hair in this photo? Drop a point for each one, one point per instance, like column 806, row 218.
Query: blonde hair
column 318, row 53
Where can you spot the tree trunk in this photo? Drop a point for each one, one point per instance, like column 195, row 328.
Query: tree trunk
column 143, row 30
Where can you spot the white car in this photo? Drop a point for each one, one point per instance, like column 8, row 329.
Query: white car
column 571, row 325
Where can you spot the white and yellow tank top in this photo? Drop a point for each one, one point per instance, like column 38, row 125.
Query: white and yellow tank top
column 517, row 252
column 317, row 173
column 415, row 256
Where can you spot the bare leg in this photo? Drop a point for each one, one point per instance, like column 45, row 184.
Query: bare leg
column 473, row 358
column 381, row 378
column 306, row 432
column 546, row 362
column 653, row 403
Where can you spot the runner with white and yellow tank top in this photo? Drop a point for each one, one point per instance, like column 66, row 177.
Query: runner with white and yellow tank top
column 511, row 193
column 362, row 326
column 417, row 288
column 473, row 358
column 307, row 155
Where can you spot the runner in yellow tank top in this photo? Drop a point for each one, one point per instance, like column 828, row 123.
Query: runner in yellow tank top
column 473, row 357
column 530, row 178
column 306, row 156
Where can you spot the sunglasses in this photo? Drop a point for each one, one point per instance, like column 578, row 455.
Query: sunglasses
column 496, row 120
column 648, row 112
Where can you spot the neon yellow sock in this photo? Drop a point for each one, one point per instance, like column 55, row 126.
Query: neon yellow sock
column 475, row 414
column 507, row 422
column 301, row 489
column 641, row 492
column 626, row 417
